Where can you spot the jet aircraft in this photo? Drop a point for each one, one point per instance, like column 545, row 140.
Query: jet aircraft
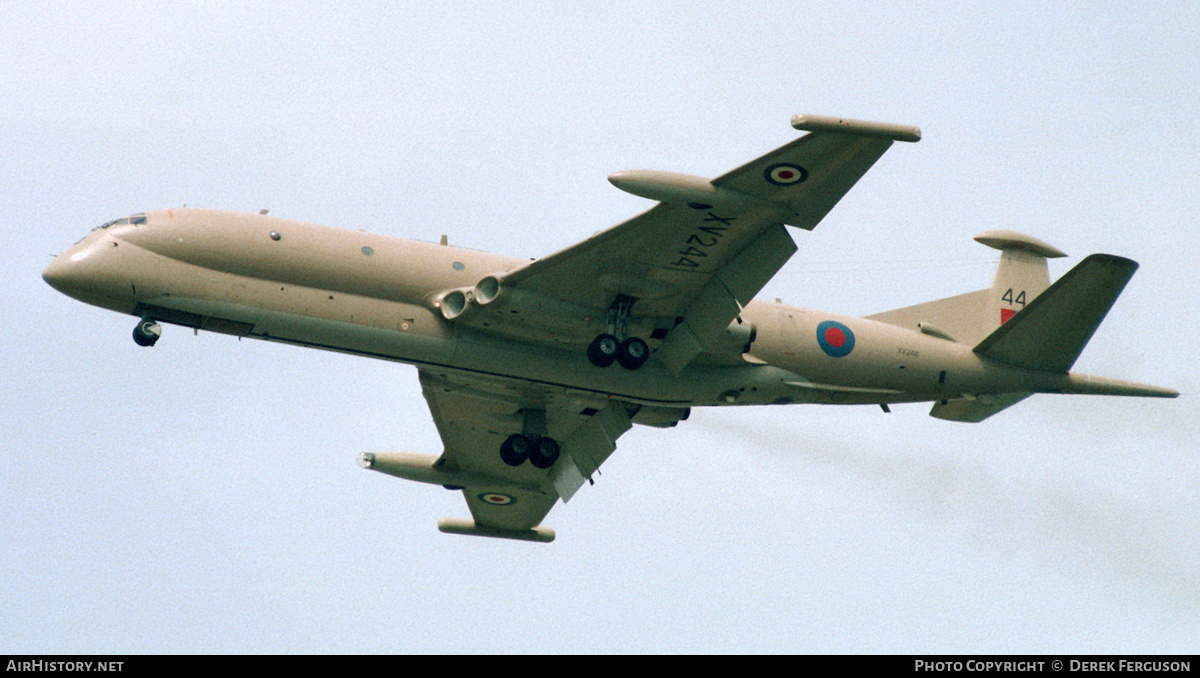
column 533, row 369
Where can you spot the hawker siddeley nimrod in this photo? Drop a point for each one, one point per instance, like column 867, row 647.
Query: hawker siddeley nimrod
column 533, row 369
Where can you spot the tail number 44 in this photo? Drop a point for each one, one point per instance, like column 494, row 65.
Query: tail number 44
column 1006, row 313
column 1008, row 297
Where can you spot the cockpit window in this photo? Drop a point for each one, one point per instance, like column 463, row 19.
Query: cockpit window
column 137, row 220
column 114, row 222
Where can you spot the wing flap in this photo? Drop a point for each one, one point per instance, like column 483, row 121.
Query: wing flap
column 705, row 321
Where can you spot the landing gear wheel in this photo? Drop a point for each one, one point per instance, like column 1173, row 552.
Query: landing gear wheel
column 633, row 353
column 146, row 332
column 603, row 350
column 515, row 449
column 544, row 453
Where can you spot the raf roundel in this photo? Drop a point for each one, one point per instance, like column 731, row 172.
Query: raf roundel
column 835, row 339
column 785, row 174
column 496, row 499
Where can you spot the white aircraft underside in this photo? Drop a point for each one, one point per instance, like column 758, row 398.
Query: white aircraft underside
column 533, row 369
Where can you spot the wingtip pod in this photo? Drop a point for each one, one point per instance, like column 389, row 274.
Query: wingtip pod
column 828, row 123
column 468, row 527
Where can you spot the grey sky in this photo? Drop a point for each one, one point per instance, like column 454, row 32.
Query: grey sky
column 201, row 496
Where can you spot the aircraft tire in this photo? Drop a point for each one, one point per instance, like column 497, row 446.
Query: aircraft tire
column 146, row 332
column 515, row 449
column 633, row 353
column 544, row 453
column 603, row 350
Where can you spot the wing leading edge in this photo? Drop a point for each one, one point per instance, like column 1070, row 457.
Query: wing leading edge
column 694, row 260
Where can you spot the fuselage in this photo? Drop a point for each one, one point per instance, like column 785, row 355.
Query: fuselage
column 367, row 294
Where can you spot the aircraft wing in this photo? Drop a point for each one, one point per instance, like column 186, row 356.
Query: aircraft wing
column 474, row 415
column 692, row 261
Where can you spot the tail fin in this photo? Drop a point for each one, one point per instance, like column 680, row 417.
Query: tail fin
column 1021, row 276
column 1049, row 333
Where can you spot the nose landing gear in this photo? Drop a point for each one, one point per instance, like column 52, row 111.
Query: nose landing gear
column 147, row 332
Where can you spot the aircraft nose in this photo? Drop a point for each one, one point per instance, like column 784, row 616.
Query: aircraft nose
column 62, row 274
column 78, row 270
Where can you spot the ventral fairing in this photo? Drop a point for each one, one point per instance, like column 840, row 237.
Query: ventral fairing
column 534, row 369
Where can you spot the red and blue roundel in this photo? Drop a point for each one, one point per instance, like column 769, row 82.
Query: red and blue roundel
column 835, row 339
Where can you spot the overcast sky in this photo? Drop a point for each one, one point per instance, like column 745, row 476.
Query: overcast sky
column 202, row 496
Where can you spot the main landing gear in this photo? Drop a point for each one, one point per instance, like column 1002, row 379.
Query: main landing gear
column 605, row 349
column 631, row 353
column 146, row 332
column 542, row 452
column 531, row 443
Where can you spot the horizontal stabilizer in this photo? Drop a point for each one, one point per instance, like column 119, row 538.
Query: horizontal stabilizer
column 1050, row 333
column 1089, row 385
column 975, row 410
